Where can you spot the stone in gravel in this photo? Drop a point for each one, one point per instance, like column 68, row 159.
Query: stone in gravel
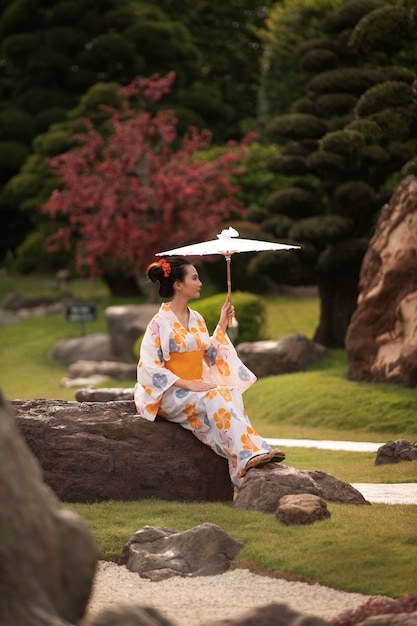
column 128, row 616
column 402, row 619
column 263, row 487
column 304, row 508
column 158, row 553
column 272, row 615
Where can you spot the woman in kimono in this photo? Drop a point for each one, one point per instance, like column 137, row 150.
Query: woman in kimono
column 195, row 380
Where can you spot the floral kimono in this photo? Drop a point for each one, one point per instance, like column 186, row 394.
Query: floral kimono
column 216, row 417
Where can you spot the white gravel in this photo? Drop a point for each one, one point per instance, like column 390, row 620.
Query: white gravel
column 196, row 601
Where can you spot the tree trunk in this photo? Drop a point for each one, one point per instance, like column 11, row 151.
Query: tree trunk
column 338, row 301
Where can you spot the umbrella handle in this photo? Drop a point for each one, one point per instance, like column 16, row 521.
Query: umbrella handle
column 229, row 284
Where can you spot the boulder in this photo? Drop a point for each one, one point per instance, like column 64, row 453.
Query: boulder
column 158, row 553
column 108, row 369
column 294, row 353
column 94, row 347
column 402, row 619
column 48, row 555
column 273, row 614
column 381, row 340
column 396, row 451
column 304, row 508
column 263, row 487
column 125, row 324
column 129, row 616
column 108, row 394
column 96, row 451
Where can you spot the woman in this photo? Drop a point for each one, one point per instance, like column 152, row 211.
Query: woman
column 195, row 380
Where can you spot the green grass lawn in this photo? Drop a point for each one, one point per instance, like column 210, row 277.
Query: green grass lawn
column 371, row 549
column 367, row 549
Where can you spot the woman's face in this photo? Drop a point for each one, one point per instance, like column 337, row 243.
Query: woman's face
column 190, row 286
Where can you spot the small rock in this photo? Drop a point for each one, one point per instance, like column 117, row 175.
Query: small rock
column 304, row 508
column 158, row 553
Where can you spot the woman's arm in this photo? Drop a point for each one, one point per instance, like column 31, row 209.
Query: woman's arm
column 228, row 311
column 194, row 385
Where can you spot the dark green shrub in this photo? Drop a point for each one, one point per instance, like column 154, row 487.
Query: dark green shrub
column 16, row 125
column 250, row 314
column 293, row 201
column 331, row 104
column 242, row 280
column 346, row 143
column 353, row 80
column 325, row 162
column 296, row 126
column 277, row 225
column 319, row 60
column 288, row 165
column 12, row 156
column 321, row 229
column 370, row 130
column 348, row 15
column 343, row 257
column 380, row 28
column 355, row 198
column 384, row 96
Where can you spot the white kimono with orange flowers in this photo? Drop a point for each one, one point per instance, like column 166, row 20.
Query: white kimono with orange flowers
column 216, row 417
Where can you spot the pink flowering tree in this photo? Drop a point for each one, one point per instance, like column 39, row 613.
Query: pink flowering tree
column 141, row 189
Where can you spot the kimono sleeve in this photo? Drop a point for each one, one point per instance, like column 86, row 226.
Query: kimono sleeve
column 153, row 377
column 226, row 368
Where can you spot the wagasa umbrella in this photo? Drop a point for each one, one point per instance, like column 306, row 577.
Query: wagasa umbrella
column 227, row 243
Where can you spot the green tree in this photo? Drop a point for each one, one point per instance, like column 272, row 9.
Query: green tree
column 283, row 80
column 345, row 142
column 53, row 54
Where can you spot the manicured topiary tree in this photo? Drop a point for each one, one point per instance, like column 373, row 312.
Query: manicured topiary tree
column 344, row 143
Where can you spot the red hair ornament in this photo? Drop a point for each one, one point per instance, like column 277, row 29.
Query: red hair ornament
column 166, row 268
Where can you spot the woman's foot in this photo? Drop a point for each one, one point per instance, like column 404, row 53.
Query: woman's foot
column 275, row 456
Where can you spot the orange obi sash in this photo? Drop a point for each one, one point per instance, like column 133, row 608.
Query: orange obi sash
column 187, row 365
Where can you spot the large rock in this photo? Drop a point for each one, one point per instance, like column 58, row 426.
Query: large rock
column 125, row 324
column 263, row 487
column 158, row 553
column 381, row 341
column 97, row 451
column 94, row 347
column 48, row 555
column 294, row 353
column 396, row 451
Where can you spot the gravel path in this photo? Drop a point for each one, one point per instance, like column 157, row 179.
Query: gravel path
column 197, row 601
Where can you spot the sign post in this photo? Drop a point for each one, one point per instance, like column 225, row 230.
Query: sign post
column 81, row 313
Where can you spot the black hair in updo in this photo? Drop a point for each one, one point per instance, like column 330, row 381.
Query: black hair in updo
column 177, row 271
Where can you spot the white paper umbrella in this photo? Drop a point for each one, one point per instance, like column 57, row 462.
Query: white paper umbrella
column 227, row 243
